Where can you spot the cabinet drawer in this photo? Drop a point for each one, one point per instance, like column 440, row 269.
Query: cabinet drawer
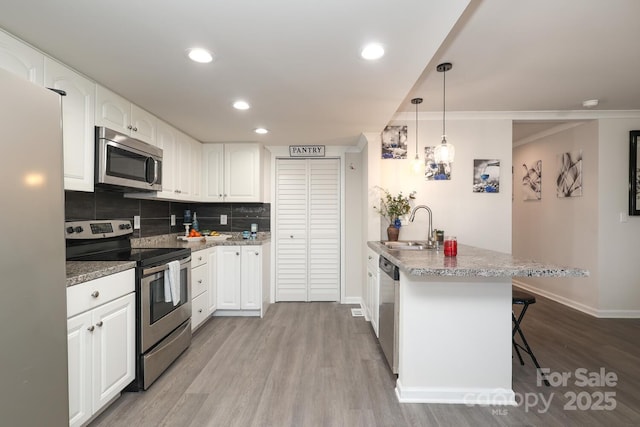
column 199, row 311
column 199, row 280
column 198, row 258
column 88, row 295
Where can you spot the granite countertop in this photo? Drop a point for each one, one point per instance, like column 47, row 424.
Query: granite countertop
column 471, row 262
column 171, row 241
column 83, row 271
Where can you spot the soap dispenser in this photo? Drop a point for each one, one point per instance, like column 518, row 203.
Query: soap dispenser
column 195, row 224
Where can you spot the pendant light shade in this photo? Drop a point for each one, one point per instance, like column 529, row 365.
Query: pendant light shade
column 417, row 165
column 445, row 152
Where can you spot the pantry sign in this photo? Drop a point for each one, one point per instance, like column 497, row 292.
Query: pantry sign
column 306, row 151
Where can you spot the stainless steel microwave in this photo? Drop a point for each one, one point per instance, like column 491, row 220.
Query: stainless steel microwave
column 126, row 164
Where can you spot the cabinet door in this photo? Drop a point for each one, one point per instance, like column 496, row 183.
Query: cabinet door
column 213, row 280
column 251, row 278
column 18, row 58
column 143, row 125
column 166, row 138
column 242, row 173
column 112, row 110
column 78, row 118
column 228, row 282
column 213, row 172
column 113, row 348
column 374, row 298
column 79, row 351
column 196, row 169
column 183, row 166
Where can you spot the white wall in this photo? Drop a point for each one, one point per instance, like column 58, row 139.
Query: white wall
column 619, row 280
column 477, row 219
column 352, row 246
column 560, row 230
column 592, row 231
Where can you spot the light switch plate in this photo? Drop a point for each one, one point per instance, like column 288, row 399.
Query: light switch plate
column 624, row 217
column 136, row 222
column 223, row 220
column 173, row 220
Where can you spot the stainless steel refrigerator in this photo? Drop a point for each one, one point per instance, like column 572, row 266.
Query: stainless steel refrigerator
column 33, row 331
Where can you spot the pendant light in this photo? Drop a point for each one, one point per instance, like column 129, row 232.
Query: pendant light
column 445, row 152
column 417, row 164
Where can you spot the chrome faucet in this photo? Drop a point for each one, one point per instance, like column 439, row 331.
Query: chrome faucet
column 413, row 216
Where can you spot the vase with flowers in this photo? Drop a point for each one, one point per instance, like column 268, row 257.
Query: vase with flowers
column 392, row 208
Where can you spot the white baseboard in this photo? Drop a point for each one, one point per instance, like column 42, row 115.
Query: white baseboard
column 469, row 397
column 351, row 300
column 608, row 314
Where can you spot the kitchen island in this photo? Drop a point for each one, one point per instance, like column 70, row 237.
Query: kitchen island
column 455, row 322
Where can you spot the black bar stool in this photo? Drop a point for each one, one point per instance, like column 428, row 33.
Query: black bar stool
column 525, row 300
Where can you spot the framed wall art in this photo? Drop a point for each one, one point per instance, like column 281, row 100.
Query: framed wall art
column 634, row 173
column 394, row 142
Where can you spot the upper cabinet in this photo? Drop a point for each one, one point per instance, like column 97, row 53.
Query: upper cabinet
column 231, row 172
column 115, row 112
column 21, row 59
column 78, row 118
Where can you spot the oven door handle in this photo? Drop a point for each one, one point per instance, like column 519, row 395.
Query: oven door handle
column 153, row 270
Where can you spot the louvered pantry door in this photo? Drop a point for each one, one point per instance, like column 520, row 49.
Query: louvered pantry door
column 308, row 230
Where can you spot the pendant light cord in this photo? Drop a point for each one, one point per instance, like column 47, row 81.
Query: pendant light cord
column 444, row 111
column 416, row 129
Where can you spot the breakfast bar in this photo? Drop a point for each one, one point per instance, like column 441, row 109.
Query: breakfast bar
column 455, row 322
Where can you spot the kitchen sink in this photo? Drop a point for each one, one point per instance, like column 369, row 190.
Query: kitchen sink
column 408, row 245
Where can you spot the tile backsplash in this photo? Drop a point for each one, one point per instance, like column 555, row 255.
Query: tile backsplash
column 155, row 215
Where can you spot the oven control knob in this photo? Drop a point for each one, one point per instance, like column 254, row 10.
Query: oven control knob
column 78, row 229
column 125, row 226
column 70, row 230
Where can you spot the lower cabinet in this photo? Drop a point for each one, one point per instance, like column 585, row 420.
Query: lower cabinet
column 200, row 287
column 371, row 292
column 101, row 343
column 239, row 280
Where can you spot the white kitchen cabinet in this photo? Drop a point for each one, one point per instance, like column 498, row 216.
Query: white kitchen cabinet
column 213, row 280
column 231, row 172
column 199, row 287
column 101, row 342
column 21, row 59
column 239, row 280
column 372, row 290
column 117, row 113
column 78, row 118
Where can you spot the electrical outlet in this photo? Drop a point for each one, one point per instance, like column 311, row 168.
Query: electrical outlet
column 136, row 222
column 223, row 220
column 173, row 220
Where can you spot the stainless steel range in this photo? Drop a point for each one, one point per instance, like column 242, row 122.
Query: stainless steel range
column 163, row 311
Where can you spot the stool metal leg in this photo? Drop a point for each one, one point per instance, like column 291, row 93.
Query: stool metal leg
column 526, row 348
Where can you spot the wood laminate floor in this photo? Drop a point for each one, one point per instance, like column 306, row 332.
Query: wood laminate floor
column 313, row 364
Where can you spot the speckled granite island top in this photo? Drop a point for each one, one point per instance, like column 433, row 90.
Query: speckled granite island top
column 471, row 262
column 83, row 271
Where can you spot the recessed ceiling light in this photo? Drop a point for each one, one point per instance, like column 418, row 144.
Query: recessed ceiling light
column 261, row 131
column 372, row 51
column 241, row 105
column 200, row 55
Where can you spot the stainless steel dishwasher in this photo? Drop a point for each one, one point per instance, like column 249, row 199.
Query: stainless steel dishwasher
column 388, row 311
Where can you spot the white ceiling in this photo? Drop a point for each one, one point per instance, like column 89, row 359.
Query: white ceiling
column 298, row 64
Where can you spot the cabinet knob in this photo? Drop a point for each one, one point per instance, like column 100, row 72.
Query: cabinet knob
column 99, row 324
column 135, row 129
column 91, row 328
column 291, row 236
column 200, row 311
column 219, row 195
column 199, row 258
column 95, row 294
column 129, row 127
column 237, row 253
column 370, row 257
column 257, row 253
column 200, row 281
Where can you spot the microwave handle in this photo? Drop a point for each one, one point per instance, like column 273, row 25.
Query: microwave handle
column 155, row 169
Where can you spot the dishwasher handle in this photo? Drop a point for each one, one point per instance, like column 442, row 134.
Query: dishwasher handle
column 388, row 268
